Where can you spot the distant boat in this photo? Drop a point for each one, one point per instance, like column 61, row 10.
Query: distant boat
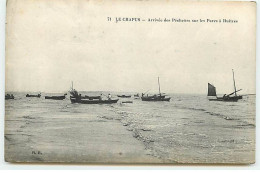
column 124, row 96
column 56, row 97
column 30, row 95
column 137, row 96
column 226, row 97
column 156, row 97
column 127, row 101
column 8, row 96
column 76, row 98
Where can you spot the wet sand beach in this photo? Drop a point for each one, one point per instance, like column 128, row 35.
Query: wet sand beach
column 81, row 138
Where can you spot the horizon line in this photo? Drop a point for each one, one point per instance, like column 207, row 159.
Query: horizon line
column 115, row 92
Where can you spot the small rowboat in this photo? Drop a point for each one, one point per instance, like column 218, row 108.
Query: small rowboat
column 127, row 102
column 87, row 101
column 124, row 96
column 56, row 97
column 29, row 95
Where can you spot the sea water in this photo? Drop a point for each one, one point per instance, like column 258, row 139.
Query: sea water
column 188, row 129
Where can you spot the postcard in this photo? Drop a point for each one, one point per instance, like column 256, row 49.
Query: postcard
column 130, row 82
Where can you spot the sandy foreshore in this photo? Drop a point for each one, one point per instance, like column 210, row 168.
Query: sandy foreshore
column 79, row 138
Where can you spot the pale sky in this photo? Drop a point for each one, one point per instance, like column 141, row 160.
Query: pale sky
column 51, row 43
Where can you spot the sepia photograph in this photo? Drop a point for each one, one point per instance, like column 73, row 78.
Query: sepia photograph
column 130, row 82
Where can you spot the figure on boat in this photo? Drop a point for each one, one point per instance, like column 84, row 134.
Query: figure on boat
column 9, row 96
column 109, row 96
column 136, row 96
column 156, row 97
column 226, row 97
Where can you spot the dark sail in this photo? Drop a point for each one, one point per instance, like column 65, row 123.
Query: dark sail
column 211, row 90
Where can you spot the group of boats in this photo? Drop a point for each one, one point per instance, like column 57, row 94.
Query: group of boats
column 11, row 96
column 76, row 97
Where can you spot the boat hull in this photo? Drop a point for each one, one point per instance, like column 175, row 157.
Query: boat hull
column 127, row 102
column 8, row 98
column 155, row 99
column 33, row 95
column 123, row 96
column 55, row 97
column 227, row 99
column 87, row 101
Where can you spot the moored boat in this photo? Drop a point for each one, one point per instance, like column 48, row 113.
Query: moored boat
column 31, row 95
column 156, row 97
column 127, row 101
column 226, row 97
column 94, row 101
column 56, row 97
column 124, row 96
column 9, row 96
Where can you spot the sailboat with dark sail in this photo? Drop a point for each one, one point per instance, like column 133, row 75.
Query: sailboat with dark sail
column 226, row 97
column 156, row 97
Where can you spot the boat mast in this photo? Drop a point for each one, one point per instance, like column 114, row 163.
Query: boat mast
column 234, row 83
column 72, row 85
column 159, row 85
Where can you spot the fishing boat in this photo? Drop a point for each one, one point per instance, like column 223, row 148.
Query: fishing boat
column 8, row 96
column 226, row 97
column 31, row 95
column 156, row 97
column 56, row 97
column 77, row 98
column 95, row 101
column 124, row 96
